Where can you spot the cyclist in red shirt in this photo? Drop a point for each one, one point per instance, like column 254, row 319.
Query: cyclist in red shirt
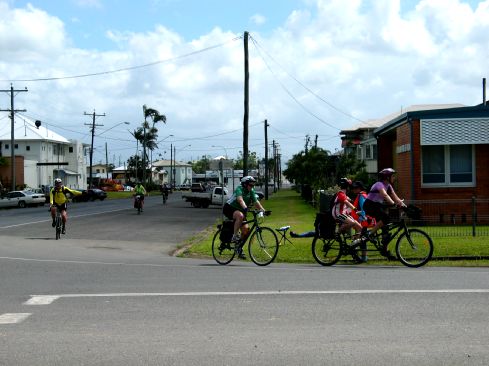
column 343, row 207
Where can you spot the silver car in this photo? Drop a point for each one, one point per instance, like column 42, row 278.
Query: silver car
column 22, row 199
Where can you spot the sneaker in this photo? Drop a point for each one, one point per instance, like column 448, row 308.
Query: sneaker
column 384, row 252
column 236, row 238
column 63, row 230
column 53, row 224
column 240, row 253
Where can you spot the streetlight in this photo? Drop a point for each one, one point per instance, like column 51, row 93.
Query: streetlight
column 222, row 173
column 225, row 151
column 175, row 162
column 151, row 165
column 121, row 123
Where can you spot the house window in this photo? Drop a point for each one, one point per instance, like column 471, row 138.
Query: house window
column 6, row 146
column 448, row 165
column 16, row 146
column 28, row 148
column 70, row 149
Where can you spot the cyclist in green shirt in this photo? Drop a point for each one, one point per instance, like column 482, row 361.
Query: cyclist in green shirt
column 237, row 206
column 140, row 191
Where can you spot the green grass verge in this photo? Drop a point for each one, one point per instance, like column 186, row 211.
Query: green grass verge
column 288, row 208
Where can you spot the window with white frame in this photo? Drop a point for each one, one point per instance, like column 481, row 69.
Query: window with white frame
column 448, row 165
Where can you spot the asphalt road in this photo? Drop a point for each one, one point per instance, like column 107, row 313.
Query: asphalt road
column 109, row 293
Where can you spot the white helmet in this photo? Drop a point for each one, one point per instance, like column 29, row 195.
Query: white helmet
column 248, row 179
column 57, row 181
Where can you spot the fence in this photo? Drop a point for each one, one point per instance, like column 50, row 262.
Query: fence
column 457, row 217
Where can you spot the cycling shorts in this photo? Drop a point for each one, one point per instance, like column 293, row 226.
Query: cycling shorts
column 228, row 211
column 376, row 210
column 61, row 207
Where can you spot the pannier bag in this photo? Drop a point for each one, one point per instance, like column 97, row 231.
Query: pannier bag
column 227, row 231
column 325, row 225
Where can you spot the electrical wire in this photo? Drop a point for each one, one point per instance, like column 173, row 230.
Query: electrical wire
column 290, row 94
column 124, row 68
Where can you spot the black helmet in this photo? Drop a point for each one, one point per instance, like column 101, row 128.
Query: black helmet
column 345, row 183
column 386, row 173
column 358, row 184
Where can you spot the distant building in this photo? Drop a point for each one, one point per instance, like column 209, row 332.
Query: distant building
column 41, row 156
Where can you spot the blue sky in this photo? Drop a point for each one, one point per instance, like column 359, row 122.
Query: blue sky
column 316, row 66
column 87, row 22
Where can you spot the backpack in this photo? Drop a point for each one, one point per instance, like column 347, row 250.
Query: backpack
column 227, row 231
column 325, row 225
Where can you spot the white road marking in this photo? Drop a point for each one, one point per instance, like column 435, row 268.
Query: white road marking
column 48, row 299
column 71, row 217
column 12, row 318
column 41, row 300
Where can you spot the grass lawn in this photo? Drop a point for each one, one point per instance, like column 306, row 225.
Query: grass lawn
column 288, row 208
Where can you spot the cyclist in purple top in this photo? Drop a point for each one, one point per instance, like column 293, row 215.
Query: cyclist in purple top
column 380, row 193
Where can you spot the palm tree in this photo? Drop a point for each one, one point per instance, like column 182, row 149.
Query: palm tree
column 147, row 135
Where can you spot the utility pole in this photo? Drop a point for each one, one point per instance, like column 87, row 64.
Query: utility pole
column 246, row 106
column 106, row 162
column 94, row 115
column 266, row 160
column 12, row 135
column 171, row 167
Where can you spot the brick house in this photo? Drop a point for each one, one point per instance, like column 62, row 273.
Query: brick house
column 439, row 154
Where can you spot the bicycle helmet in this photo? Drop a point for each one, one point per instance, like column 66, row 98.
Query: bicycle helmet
column 247, row 180
column 386, row 173
column 57, row 181
column 345, row 183
column 358, row 184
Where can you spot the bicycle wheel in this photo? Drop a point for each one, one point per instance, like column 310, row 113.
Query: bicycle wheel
column 263, row 246
column 58, row 228
column 414, row 248
column 326, row 251
column 223, row 253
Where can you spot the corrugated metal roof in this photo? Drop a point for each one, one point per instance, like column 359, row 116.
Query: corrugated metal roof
column 375, row 123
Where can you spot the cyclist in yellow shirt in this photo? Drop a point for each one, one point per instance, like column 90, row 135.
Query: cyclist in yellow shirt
column 57, row 198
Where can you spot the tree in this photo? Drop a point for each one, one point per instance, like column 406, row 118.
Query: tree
column 135, row 167
column 147, row 135
column 200, row 166
column 252, row 161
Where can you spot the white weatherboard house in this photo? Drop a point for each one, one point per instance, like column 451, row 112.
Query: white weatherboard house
column 46, row 154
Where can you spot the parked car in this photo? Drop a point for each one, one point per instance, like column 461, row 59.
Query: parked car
column 90, row 195
column 39, row 191
column 22, row 199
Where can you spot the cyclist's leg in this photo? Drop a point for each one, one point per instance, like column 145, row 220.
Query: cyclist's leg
column 53, row 214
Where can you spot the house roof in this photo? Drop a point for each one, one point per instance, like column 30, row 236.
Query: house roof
column 431, row 112
column 377, row 123
column 26, row 130
column 165, row 163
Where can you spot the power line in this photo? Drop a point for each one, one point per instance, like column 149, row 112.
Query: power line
column 304, row 86
column 290, row 94
column 125, row 68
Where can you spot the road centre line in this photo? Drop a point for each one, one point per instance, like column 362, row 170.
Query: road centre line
column 48, row 299
column 71, row 217
column 12, row 318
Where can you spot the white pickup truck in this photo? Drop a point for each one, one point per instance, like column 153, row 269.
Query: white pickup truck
column 204, row 199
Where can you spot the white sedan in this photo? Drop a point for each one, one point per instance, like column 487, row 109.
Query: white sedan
column 22, row 199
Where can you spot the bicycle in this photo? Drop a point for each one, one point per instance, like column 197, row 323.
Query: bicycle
column 138, row 203
column 165, row 197
column 414, row 247
column 262, row 242
column 58, row 223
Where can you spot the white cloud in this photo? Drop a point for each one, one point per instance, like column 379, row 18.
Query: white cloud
column 258, row 19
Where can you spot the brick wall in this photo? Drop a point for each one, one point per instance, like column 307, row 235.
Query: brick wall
column 6, row 172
